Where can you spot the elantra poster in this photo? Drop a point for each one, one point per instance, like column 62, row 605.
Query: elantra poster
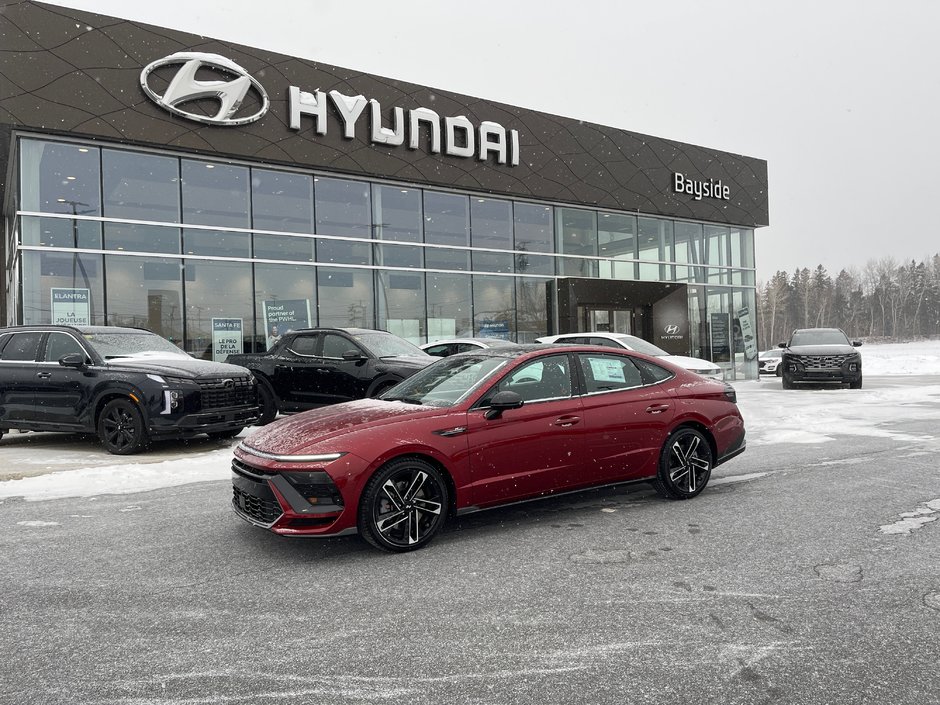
column 71, row 307
column 283, row 316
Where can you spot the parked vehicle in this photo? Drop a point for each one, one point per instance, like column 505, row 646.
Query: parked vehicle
column 127, row 385
column 768, row 362
column 314, row 367
column 481, row 429
column 445, row 348
column 821, row 356
column 632, row 342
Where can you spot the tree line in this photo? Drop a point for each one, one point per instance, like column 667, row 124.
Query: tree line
column 885, row 299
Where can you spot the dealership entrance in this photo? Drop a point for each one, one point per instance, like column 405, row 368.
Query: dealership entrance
column 655, row 311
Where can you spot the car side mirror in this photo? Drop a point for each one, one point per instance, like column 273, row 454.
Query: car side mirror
column 856, row 343
column 76, row 360
column 352, row 356
column 781, row 345
column 503, row 401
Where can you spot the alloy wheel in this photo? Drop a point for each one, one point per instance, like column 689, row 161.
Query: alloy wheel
column 407, row 504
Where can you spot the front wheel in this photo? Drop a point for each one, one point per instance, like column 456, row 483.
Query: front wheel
column 857, row 384
column 685, row 465
column 403, row 506
column 787, row 381
column 121, row 428
column 268, row 404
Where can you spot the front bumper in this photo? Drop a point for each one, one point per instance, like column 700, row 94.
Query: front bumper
column 203, row 422
column 268, row 499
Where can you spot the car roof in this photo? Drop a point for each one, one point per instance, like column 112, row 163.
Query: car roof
column 492, row 342
column 83, row 330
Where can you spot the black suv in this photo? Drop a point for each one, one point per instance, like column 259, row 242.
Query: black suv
column 128, row 385
column 821, row 356
column 314, row 367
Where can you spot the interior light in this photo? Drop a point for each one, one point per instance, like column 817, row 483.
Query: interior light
column 60, row 200
column 70, row 178
column 210, row 166
column 83, row 149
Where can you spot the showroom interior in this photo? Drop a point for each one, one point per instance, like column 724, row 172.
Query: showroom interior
column 186, row 185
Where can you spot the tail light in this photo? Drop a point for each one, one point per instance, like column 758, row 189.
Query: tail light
column 730, row 394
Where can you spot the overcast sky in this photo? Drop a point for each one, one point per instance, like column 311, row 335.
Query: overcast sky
column 840, row 97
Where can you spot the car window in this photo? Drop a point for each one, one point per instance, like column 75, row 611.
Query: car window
column 442, row 350
column 335, row 345
column 606, row 373
column 467, row 347
column 606, row 342
column 60, row 344
column 540, row 379
column 22, row 347
column 653, row 373
column 304, row 345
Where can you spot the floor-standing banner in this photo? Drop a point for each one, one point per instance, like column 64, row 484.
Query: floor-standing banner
column 71, row 307
column 227, row 338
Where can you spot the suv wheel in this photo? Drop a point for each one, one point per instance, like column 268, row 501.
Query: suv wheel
column 268, row 404
column 121, row 428
column 787, row 381
column 857, row 384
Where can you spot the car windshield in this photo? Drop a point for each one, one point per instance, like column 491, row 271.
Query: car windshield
column 641, row 345
column 772, row 353
column 446, row 382
column 385, row 345
column 132, row 344
column 824, row 336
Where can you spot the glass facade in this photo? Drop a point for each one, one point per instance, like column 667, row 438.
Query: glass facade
column 170, row 242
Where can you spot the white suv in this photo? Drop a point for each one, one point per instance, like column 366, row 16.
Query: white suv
column 631, row 342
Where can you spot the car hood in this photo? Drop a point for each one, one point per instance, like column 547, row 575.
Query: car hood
column 821, row 350
column 305, row 431
column 176, row 367
column 691, row 363
column 409, row 361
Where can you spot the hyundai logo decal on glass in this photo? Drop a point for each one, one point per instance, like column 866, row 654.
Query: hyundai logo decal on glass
column 671, row 329
column 185, row 87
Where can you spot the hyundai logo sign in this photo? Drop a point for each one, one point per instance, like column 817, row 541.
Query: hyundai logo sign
column 230, row 89
column 671, row 329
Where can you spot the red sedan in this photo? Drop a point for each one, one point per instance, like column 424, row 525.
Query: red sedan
column 481, row 429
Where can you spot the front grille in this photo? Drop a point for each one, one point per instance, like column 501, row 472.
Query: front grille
column 822, row 362
column 261, row 510
column 241, row 467
column 225, row 392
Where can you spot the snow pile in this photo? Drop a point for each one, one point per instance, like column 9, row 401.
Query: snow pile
column 771, row 416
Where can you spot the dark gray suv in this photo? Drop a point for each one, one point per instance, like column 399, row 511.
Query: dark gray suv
column 127, row 385
column 821, row 356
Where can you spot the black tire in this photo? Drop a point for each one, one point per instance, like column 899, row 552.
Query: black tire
column 268, row 404
column 857, row 384
column 779, row 371
column 121, row 428
column 224, row 435
column 787, row 382
column 685, row 464
column 403, row 506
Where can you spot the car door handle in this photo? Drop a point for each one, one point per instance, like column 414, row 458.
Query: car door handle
column 567, row 420
column 44, row 375
column 657, row 408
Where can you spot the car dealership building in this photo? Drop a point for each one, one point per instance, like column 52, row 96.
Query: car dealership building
column 220, row 194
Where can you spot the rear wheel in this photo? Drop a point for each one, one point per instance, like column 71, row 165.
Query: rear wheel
column 121, row 428
column 268, row 404
column 685, row 465
column 403, row 506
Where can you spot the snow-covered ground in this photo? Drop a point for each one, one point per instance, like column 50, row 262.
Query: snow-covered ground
column 771, row 415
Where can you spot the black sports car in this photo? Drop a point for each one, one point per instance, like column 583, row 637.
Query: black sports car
column 314, row 367
column 128, row 385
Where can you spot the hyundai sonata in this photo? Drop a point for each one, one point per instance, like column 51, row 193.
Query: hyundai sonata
column 480, row 429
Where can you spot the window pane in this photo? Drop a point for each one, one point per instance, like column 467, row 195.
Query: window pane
column 22, row 347
column 401, row 304
column 531, row 309
column 491, row 227
column 215, row 194
column 60, row 178
column 494, row 307
column 288, row 247
column 533, row 233
column 58, row 232
column 214, row 290
column 276, row 284
column 43, row 271
column 449, row 306
column 654, row 239
column 716, row 252
column 616, row 238
column 688, row 250
column 397, row 213
column 577, row 235
column 345, row 297
column 605, row 373
column 544, row 378
column 147, row 293
column 141, row 238
column 140, row 186
column 216, row 243
column 60, row 344
column 446, row 222
column 282, row 201
column 343, row 209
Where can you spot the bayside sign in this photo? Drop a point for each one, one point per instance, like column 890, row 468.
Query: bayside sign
column 700, row 189
column 455, row 136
